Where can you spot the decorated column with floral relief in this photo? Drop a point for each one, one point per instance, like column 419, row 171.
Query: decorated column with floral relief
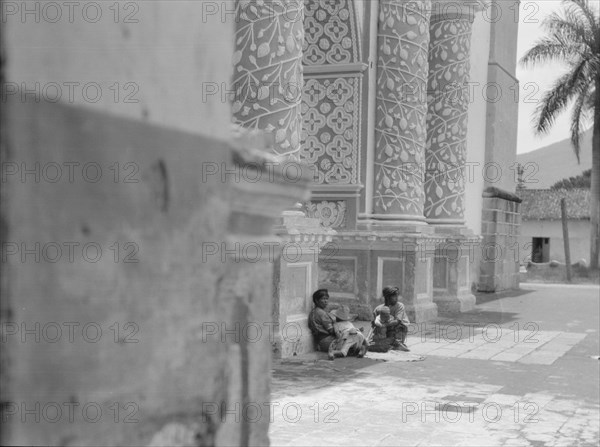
column 401, row 109
column 448, row 103
column 267, row 79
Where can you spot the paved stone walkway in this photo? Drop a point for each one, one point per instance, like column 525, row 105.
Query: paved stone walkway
column 493, row 342
column 375, row 411
column 525, row 386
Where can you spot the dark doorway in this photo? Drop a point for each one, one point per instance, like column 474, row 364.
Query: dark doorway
column 541, row 249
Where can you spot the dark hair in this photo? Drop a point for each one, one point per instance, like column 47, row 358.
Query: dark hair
column 320, row 294
column 389, row 292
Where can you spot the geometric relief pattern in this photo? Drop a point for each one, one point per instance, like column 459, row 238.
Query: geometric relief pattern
column 448, row 103
column 331, row 35
column 400, row 125
column 268, row 70
column 331, row 214
column 330, row 136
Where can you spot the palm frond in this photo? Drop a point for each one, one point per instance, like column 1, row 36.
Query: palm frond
column 583, row 6
column 591, row 99
column 553, row 48
column 554, row 101
column 595, row 65
column 572, row 37
column 572, row 27
column 579, row 117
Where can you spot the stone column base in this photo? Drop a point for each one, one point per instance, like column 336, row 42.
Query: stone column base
column 452, row 275
column 295, row 278
column 292, row 338
column 422, row 311
column 454, row 304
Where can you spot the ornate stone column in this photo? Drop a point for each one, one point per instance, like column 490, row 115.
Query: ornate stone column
column 268, row 69
column 448, row 102
column 401, row 109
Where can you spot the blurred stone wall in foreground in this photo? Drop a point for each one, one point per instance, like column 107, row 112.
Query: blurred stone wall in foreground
column 118, row 327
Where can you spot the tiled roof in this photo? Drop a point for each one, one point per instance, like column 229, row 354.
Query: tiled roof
column 544, row 204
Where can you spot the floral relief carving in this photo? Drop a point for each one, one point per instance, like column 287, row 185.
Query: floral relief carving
column 401, row 110
column 331, row 106
column 331, row 214
column 268, row 69
column 330, row 138
column 331, row 35
column 448, row 104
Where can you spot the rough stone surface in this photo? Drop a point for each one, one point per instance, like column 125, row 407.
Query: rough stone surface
column 160, row 303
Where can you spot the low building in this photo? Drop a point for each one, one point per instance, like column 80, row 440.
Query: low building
column 541, row 238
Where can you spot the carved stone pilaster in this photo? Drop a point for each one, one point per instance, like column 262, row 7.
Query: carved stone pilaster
column 400, row 128
column 448, row 102
column 295, row 278
column 268, row 70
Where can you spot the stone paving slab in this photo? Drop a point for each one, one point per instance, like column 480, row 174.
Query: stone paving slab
column 415, row 416
column 539, row 347
column 529, row 387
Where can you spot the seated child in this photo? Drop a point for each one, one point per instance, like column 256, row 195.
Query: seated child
column 349, row 340
column 378, row 338
column 384, row 332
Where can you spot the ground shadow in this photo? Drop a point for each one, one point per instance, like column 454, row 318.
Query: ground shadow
column 478, row 318
column 315, row 371
column 484, row 297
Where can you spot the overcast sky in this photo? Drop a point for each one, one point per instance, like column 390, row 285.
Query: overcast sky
column 535, row 82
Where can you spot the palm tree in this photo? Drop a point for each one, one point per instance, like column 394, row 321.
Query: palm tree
column 573, row 37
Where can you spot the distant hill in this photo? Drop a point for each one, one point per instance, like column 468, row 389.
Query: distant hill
column 556, row 162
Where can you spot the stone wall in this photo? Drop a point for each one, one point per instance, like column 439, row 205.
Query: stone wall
column 500, row 246
column 503, row 97
column 119, row 327
column 148, row 307
column 143, row 58
column 476, row 135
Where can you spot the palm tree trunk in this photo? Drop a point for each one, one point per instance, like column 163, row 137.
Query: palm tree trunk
column 595, row 186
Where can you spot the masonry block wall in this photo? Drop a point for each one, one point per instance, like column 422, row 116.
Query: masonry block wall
column 500, row 218
column 499, row 267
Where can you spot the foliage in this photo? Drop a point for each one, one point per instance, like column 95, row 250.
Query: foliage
column 573, row 37
column 583, row 180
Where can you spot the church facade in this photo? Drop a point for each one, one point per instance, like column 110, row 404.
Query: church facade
column 405, row 112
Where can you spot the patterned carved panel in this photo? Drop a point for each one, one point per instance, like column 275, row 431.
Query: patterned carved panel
column 440, row 272
column 331, row 34
column 294, row 290
column 422, row 276
column 331, row 214
column 400, row 126
column 268, row 69
column 331, row 111
column 338, row 275
column 448, row 103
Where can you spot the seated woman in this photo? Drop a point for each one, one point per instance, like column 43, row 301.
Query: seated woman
column 321, row 322
column 390, row 325
column 349, row 340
